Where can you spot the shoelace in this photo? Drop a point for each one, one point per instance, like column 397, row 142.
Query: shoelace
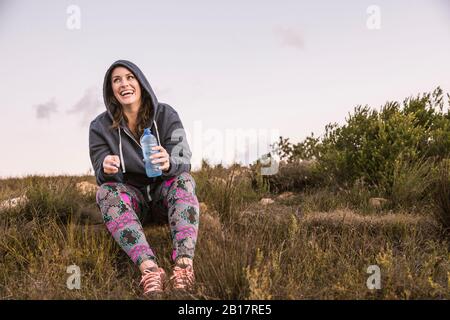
column 182, row 277
column 152, row 281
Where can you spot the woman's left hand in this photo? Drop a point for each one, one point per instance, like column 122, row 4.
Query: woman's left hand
column 161, row 157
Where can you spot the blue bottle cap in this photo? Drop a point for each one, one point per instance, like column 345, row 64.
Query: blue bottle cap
column 147, row 131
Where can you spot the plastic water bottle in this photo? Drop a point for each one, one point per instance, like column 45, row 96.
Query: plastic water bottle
column 148, row 141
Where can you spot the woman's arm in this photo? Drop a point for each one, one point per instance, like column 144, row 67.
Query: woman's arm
column 176, row 145
column 98, row 150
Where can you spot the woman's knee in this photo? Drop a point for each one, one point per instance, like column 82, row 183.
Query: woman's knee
column 182, row 192
column 185, row 181
column 117, row 189
column 115, row 198
column 104, row 191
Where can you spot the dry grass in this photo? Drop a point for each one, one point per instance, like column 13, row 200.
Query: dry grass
column 285, row 250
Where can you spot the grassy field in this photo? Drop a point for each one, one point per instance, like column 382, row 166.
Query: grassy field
column 310, row 245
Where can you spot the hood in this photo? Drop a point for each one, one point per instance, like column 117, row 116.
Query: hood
column 145, row 85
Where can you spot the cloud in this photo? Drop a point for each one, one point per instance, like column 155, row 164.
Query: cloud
column 290, row 37
column 44, row 110
column 88, row 106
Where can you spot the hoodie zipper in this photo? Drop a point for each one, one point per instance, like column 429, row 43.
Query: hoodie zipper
column 124, row 129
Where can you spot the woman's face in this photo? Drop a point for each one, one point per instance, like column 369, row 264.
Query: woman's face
column 125, row 87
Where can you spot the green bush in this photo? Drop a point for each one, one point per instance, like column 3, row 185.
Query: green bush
column 293, row 176
column 442, row 194
column 412, row 182
column 372, row 144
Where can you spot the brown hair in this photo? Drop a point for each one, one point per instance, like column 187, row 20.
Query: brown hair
column 145, row 112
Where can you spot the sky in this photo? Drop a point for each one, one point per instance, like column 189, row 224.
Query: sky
column 239, row 73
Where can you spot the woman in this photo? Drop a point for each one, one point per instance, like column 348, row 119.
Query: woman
column 126, row 196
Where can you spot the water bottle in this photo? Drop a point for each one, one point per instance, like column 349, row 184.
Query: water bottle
column 148, row 141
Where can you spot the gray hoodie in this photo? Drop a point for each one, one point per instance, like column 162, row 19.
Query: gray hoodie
column 165, row 124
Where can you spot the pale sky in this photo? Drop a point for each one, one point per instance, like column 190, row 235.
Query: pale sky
column 228, row 67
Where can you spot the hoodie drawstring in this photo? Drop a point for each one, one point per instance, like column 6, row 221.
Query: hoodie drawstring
column 121, row 154
column 123, row 162
column 157, row 133
column 120, row 146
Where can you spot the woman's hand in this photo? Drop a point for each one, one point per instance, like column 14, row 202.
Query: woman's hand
column 161, row 157
column 111, row 164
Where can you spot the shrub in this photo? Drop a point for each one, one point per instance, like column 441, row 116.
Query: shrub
column 442, row 194
column 412, row 181
column 386, row 149
column 293, row 176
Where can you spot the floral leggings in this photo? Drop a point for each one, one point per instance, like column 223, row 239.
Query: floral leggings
column 123, row 207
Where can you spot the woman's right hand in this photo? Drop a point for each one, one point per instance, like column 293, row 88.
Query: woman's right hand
column 111, row 164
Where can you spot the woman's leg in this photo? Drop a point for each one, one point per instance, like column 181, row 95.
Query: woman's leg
column 121, row 205
column 181, row 203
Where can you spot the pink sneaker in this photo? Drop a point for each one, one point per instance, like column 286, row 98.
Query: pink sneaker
column 183, row 278
column 153, row 280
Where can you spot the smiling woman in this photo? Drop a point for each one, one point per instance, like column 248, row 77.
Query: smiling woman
column 126, row 92
column 126, row 196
